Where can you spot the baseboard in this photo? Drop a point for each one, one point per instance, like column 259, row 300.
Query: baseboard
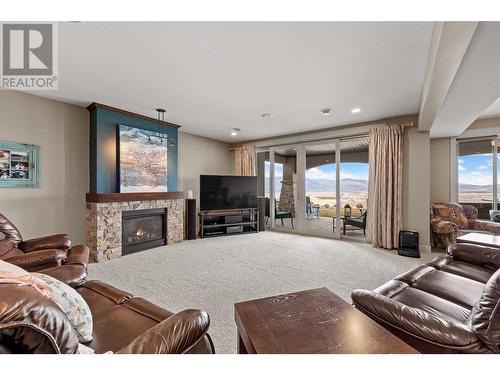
column 426, row 249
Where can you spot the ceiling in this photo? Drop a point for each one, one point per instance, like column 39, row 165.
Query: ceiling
column 212, row 77
column 492, row 111
column 475, row 89
column 354, row 145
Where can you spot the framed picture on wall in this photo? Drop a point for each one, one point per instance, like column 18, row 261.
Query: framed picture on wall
column 143, row 161
column 19, row 165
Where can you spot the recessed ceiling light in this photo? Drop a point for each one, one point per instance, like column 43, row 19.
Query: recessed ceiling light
column 355, row 110
column 235, row 132
column 326, row 111
column 266, row 115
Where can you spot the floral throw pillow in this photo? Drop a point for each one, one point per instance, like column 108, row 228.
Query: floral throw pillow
column 73, row 305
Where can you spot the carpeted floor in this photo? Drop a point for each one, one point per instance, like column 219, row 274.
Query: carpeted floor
column 213, row 274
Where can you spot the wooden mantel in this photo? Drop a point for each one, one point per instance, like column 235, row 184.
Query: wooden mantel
column 132, row 197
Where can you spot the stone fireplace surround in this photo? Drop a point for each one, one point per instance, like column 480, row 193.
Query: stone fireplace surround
column 104, row 219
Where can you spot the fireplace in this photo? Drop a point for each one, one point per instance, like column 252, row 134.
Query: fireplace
column 143, row 229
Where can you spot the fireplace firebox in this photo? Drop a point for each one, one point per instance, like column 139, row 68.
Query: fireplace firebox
column 143, row 229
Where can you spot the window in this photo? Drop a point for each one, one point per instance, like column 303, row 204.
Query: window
column 476, row 174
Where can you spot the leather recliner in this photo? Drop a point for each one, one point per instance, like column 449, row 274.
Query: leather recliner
column 33, row 324
column 43, row 253
column 450, row 305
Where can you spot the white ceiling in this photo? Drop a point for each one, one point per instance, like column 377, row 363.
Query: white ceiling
column 492, row 111
column 476, row 86
column 212, row 77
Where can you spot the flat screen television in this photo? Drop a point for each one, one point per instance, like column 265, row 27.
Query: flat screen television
column 227, row 192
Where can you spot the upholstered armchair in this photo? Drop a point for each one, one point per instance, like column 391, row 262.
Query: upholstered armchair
column 44, row 254
column 450, row 220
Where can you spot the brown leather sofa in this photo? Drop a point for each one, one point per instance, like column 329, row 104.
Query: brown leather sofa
column 127, row 324
column 39, row 253
column 450, row 305
column 74, row 269
column 31, row 323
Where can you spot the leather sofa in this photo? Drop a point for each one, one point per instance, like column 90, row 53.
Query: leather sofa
column 42, row 253
column 31, row 323
column 450, row 305
column 74, row 269
column 127, row 324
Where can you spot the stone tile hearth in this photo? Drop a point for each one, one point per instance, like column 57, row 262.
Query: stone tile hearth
column 104, row 224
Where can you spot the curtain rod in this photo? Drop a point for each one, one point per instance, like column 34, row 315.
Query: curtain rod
column 407, row 125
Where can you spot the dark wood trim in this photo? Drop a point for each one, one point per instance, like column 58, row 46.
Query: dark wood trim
column 94, row 106
column 130, row 197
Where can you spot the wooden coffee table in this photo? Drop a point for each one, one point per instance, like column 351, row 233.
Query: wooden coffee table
column 311, row 321
column 484, row 239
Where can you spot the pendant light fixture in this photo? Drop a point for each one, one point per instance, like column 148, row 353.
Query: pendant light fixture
column 161, row 118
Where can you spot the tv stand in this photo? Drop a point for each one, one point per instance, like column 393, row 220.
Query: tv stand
column 228, row 222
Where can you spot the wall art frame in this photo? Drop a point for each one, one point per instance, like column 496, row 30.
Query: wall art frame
column 19, row 165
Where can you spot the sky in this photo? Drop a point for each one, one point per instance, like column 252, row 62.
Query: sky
column 472, row 170
column 358, row 171
column 475, row 169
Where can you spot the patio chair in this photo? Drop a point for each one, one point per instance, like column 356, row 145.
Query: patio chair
column 358, row 222
column 278, row 214
column 311, row 210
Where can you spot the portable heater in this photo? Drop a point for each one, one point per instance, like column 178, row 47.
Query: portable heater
column 408, row 244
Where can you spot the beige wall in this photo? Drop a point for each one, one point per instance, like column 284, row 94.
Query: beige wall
column 440, row 170
column 416, row 184
column 62, row 131
column 199, row 155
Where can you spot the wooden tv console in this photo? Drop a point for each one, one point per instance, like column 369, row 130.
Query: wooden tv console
column 228, row 222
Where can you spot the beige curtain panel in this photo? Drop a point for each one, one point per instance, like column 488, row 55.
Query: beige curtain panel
column 385, row 187
column 245, row 161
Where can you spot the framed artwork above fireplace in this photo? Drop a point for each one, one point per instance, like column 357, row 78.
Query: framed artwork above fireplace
column 142, row 159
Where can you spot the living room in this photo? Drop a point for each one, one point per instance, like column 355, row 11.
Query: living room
column 242, row 188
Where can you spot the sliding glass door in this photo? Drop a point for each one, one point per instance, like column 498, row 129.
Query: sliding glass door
column 318, row 188
column 285, row 196
column 354, row 186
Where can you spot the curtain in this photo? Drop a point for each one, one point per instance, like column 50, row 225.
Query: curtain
column 385, row 202
column 245, row 161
